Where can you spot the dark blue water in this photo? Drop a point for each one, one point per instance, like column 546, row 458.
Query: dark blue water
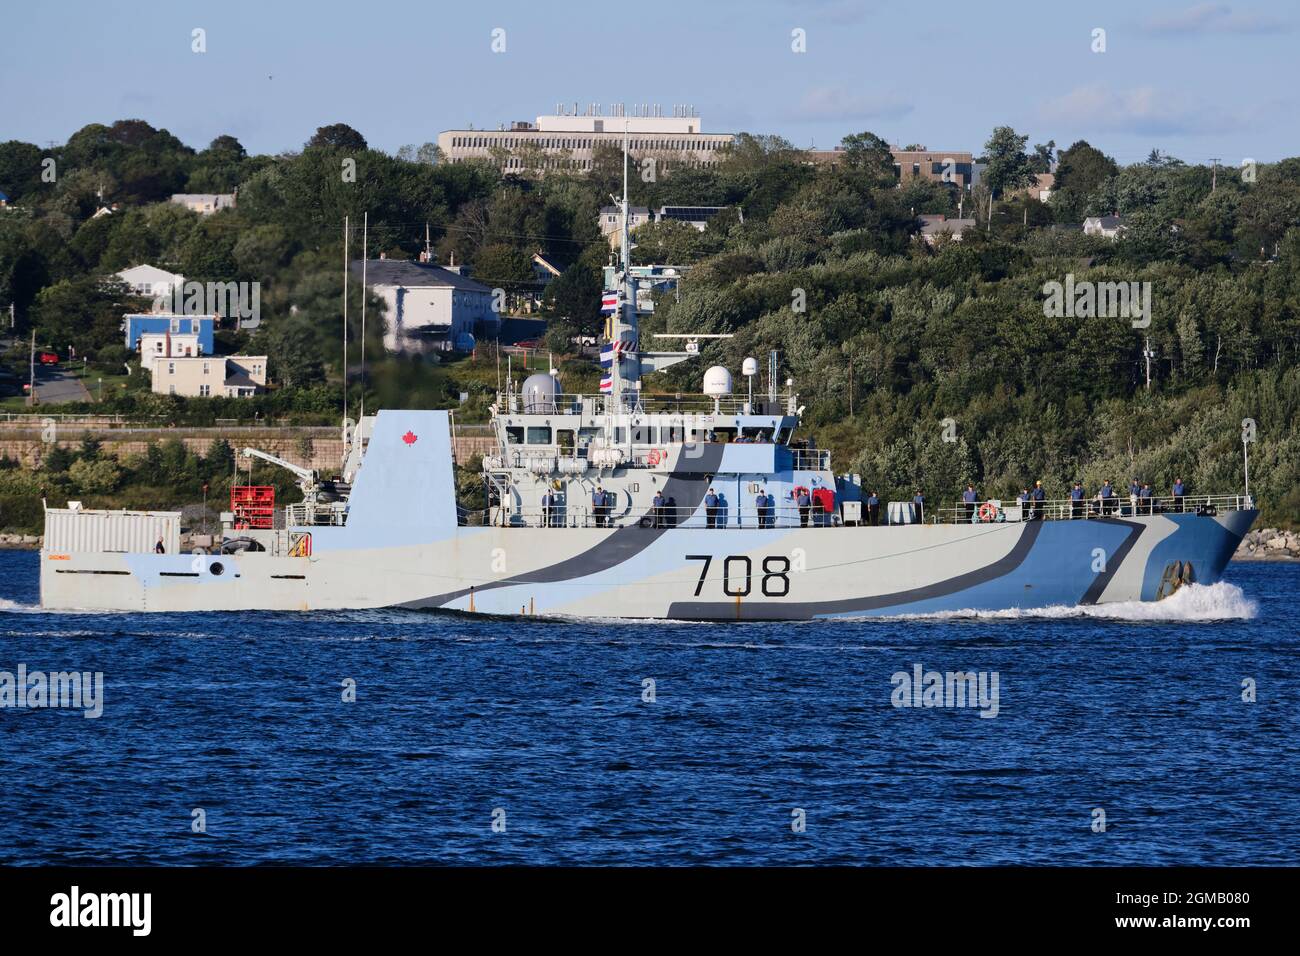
column 241, row 715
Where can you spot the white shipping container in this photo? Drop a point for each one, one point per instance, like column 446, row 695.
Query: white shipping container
column 130, row 532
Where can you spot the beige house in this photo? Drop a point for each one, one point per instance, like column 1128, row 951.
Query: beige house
column 210, row 376
column 936, row 225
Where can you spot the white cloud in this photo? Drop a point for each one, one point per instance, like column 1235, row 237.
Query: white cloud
column 1143, row 109
column 1211, row 18
column 837, row 103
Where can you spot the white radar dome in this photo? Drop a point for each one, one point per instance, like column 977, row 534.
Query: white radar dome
column 717, row 381
column 750, row 367
column 539, row 393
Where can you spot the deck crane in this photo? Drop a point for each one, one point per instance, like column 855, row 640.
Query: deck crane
column 307, row 480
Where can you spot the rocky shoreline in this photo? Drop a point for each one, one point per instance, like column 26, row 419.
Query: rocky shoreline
column 1269, row 544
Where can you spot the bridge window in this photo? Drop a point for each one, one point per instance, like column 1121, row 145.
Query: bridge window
column 539, row 435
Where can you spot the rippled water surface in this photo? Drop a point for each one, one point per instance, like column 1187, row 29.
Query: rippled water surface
column 1134, row 709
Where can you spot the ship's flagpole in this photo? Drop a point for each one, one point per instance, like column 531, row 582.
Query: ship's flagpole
column 346, row 266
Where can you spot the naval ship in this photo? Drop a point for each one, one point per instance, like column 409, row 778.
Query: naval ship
column 632, row 504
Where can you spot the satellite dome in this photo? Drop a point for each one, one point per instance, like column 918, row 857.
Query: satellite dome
column 717, row 381
column 750, row 367
column 539, row 393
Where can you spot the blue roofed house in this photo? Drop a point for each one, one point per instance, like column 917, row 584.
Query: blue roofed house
column 170, row 335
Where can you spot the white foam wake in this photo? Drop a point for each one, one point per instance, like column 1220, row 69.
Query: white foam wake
column 1192, row 602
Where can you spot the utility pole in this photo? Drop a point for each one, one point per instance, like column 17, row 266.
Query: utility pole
column 1214, row 172
column 1147, row 354
column 31, row 372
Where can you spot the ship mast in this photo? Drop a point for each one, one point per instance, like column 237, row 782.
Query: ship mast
column 625, row 373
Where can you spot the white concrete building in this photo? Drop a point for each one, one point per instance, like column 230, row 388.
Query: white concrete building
column 427, row 308
column 151, row 282
column 210, row 376
column 567, row 140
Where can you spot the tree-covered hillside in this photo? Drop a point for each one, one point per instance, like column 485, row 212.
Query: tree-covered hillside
column 886, row 336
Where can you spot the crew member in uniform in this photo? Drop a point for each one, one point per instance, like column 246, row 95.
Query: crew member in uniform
column 1134, row 493
column 1107, row 495
column 1144, row 499
column 969, row 497
column 805, row 505
column 760, row 507
column 1178, row 495
column 659, row 509
column 873, row 509
column 711, row 509
column 918, row 501
column 1037, row 496
column 1076, row 500
column 598, row 506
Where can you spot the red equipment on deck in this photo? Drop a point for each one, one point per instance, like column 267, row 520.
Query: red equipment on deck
column 253, row 505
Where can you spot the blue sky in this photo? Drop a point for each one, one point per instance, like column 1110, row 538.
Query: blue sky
column 1196, row 79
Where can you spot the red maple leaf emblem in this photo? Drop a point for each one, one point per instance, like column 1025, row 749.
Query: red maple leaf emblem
column 410, row 438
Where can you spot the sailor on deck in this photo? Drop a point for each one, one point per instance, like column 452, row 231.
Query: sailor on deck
column 659, row 509
column 711, row 509
column 1037, row 496
column 1076, row 501
column 804, row 503
column 918, row 500
column 1178, row 490
column 969, row 497
column 598, row 506
column 1107, row 496
column 873, row 509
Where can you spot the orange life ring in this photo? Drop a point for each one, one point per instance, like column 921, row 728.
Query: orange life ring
column 988, row 511
column 655, row 456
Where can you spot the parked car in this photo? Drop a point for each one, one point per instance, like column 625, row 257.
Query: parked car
column 47, row 358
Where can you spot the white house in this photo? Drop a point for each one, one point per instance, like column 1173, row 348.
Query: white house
column 151, row 282
column 167, row 345
column 209, row 376
column 204, row 203
column 1108, row 226
column 427, row 308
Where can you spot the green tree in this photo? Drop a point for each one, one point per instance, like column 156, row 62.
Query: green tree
column 1008, row 166
column 337, row 136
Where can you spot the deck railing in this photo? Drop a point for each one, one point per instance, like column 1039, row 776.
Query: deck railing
column 1068, row 509
column 786, row 514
